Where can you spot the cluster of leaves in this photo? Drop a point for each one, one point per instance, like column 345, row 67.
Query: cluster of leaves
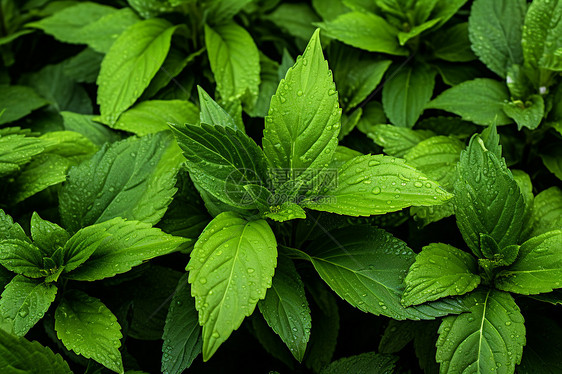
column 334, row 189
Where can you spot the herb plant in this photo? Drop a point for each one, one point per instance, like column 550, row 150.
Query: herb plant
column 325, row 186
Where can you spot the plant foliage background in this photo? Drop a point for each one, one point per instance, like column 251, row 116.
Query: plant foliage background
column 325, row 186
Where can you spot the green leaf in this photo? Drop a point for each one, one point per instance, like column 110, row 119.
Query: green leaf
column 366, row 267
column 488, row 338
column 153, row 116
column 487, row 198
column 437, row 158
column 440, row 271
column 495, row 30
column 397, row 141
column 46, row 235
column 220, row 11
column 297, row 134
column 363, row 363
column 406, row 94
column 445, row 9
column 552, row 158
column 80, row 247
column 547, row 211
column 366, row 31
column 130, row 64
column 10, row 229
column 285, row 308
column 19, row 355
column 527, row 114
column 16, row 150
column 456, row 73
column 405, row 36
column 377, row 184
column 271, row 342
column 329, row 9
column 526, row 187
column 21, row 257
column 25, row 301
column 125, row 244
column 487, row 98
column 182, row 333
column 537, row 269
column 17, row 102
column 84, row 124
column 541, row 37
column 87, row 327
column 295, row 19
column 133, row 179
column 212, row 113
column 234, row 60
column 230, row 269
column 397, row 335
column 222, row 161
column 285, row 212
column 452, row 44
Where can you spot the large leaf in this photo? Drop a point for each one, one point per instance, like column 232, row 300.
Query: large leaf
column 285, row 308
column 17, row 102
column 487, row 99
column 130, row 64
column 87, row 327
column 489, row 338
column 377, row 184
column 487, row 198
column 182, row 333
column 547, row 211
column 230, row 270
column 25, row 301
column 18, row 355
column 495, row 29
column 124, row 244
column 537, row 269
column 303, row 123
column 406, row 94
column 440, row 270
column 222, row 161
column 234, row 60
column 366, row 267
column 133, row 179
column 366, row 31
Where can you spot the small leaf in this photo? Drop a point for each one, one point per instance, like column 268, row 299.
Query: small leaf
column 46, row 235
column 527, row 114
column 22, row 257
column 212, row 113
column 397, row 141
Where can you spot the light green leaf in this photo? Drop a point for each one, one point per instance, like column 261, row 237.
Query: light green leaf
column 182, row 333
column 366, row 267
column 17, row 102
column 153, row 116
column 80, row 247
column 366, row 31
column 284, row 212
column 25, row 301
column 377, row 184
column 150, row 8
column 212, row 113
column 542, row 44
column 285, row 308
column 452, row 44
column 46, row 235
column 102, row 33
column 405, row 36
column 440, row 271
column 487, row 198
column 487, row 98
column 125, row 244
column 397, row 141
column 87, row 327
column 495, row 29
column 489, row 338
column 298, row 134
column 296, row 19
column 547, row 211
column 537, row 269
column 230, row 270
column 234, row 60
column 363, row 363
column 21, row 257
column 406, row 94
column 329, row 9
column 19, row 355
column 269, row 79
column 445, row 9
column 222, row 161
column 133, row 179
column 527, row 114
column 130, row 64
column 16, row 150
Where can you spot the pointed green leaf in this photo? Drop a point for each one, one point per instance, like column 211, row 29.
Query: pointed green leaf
column 537, row 269
column 10, row 229
column 527, row 114
column 296, row 19
column 547, row 211
column 182, row 333
column 405, row 36
column 21, row 257
column 16, row 150
column 285, row 308
column 452, row 44
column 47, row 235
column 87, row 327
column 25, row 301
column 304, row 117
column 440, row 271
column 489, row 338
column 397, row 141
column 377, row 184
column 17, row 102
column 212, row 113
column 230, row 270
